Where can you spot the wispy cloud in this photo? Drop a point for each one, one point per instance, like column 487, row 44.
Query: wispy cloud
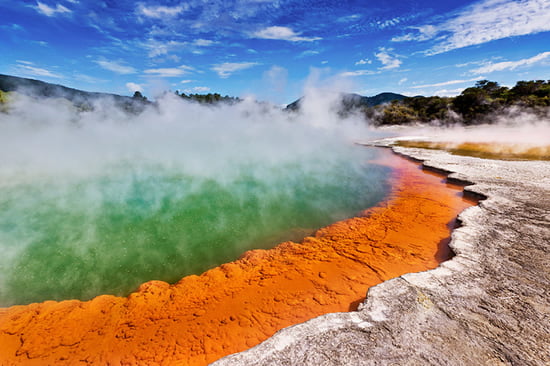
column 51, row 11
column 308, row 53
column 424, row 33
column 448, row 92
column 12, row 27
column 226, row 69
column 449, row 82
column 116, row 66
column 186, row 81
column 170, row 72
column 511, row 65
column 197, row 89
column 160, row 12
column 485, row 21
column 358, row 73
column 387, row 59
column 160, row 48
column 381, row 24
column 282, row 33
column 203, row 42
column 88, row 79
column 464, row 64
column 157, row 48
column 28, row 68
column 349, row 18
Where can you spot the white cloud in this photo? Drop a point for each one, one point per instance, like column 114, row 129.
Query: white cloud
column 389, row 61
column 448, row 92
column 160, row 12
column 485, row 21
column 450, row 82
column 170, row 71
column 359, row 73
column 116, row 67
column 364, row 61
column 282, row 33
column 186, row 81
column 226, row 69
column 511, row 65
column 402, row 81
column 133, row 87
column 49, row 11
column 27, row 68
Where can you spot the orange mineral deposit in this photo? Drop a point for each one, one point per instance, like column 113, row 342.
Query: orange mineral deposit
column 239, row 304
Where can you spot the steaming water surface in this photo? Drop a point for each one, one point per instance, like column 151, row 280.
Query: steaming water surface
column 94, row 203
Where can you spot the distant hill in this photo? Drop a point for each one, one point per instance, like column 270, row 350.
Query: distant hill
column 79, row 98
column 475, row 105
column 353, row 101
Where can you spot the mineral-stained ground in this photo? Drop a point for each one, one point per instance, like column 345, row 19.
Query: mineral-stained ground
column 240, row 304
column 488, row 305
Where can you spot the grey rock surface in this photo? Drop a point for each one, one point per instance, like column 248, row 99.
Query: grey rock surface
column 489, row 305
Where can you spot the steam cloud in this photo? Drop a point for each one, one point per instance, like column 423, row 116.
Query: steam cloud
column 514, row 130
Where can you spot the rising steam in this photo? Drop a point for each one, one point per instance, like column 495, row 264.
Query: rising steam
column 98, row 200
column 514, row 131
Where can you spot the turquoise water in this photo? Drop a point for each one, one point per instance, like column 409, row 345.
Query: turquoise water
column 70, row 236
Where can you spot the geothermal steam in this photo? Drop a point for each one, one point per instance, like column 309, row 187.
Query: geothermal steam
column 100, row 201
column 516, row 130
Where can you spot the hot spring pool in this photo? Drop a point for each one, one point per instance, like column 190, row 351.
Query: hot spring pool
column 108, row 234
column 99, row 207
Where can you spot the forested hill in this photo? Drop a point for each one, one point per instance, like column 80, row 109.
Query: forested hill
column 353, row 101
column 475, row 105
column 80, row 98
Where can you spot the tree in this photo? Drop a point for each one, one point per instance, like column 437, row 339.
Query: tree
column 138, row 95
column 531, row 93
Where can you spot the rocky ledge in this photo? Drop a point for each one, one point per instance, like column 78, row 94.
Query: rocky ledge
column 489, row 305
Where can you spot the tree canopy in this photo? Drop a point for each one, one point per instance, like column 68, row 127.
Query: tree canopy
column 208, row 98
column 474, row 105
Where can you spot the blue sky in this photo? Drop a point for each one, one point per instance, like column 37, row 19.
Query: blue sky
column 272, row 49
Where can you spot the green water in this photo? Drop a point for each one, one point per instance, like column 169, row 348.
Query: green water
column 107, row 233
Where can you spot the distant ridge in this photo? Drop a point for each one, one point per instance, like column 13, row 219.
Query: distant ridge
column 79, row 98
column 351, row 100
column 83, row 99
